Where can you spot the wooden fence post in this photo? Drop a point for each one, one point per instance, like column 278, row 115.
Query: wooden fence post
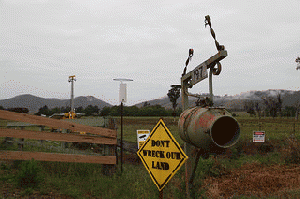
column 21, row 142
column 109, row 150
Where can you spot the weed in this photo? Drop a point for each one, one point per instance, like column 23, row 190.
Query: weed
column 212, row 167
column 295, row 193
column 291, row 153
column 4, row 166
column 72, row 191
column 234, row 153
column 27, row 191
column 266, row 147
column 30, row 175
column 17, row 164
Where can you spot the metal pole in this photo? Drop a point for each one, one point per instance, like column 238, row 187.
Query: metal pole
column 187, row 146
column 72, row 79
column 161, row 194
column 121, row 136
column 210, row 86
column 72, row 95
column 122, row 99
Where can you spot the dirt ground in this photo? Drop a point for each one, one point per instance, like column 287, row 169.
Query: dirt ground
column 280, row 181
column 256, row 180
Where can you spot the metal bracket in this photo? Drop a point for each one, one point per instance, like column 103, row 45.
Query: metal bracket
column 209, row 63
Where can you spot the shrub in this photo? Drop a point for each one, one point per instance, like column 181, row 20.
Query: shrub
column 216, row 169
column 212, row 167
column 30, row 175
column 266, row 147
column 291, row 153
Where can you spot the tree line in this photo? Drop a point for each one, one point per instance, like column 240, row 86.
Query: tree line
column 89, row 110
column 146, row 110
column 16, row 110
column 271, row 107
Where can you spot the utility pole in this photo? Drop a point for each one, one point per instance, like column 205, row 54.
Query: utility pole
column 298, row 103
column 72, row 111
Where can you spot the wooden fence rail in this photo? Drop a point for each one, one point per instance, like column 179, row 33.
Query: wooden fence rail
column 54, row 123
column 97, row 135
column 56, row 157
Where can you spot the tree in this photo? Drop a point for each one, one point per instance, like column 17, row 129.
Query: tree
column 297, row 108
column 146, row 104
column 279, row 103
column 91, row 110
column 44, row 110
column 258, row 109
column 79, row 109
column 249, row 107
column 55, row 110
column 174, row 94
column 105, row 111
column 65, row 109
column 156, row 110
column 273, row 105
column 131, row 111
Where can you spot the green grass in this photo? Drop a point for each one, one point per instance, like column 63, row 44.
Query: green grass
column 276, row 129
column 79, row 180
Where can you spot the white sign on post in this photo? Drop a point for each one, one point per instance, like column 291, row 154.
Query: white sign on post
column 199, row 73
column 123, row 93
column 142, row 136
column 258, row 136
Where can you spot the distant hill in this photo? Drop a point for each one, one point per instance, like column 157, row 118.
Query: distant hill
column 33, row 103
column 289, row 98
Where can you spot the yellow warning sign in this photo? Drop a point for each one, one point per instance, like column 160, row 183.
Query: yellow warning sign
column 161, row 155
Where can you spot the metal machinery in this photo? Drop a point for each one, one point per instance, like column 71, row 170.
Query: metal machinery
column 210, row 129
column 71, row 114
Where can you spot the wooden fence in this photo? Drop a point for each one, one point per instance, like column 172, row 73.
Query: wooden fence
column 98, row 135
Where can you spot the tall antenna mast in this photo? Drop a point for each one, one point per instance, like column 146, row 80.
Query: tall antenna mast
column 72, row 79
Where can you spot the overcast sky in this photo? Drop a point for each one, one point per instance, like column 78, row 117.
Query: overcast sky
column 43, row 42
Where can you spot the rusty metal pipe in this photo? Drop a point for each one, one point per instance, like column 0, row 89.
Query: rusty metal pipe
column 208, row 127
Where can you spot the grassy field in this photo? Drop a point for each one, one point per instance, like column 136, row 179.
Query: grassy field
column 77, row 180
column 276, row 129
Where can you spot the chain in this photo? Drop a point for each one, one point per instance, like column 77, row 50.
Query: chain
column 216, row 71
column 191, row 53
column 207, row 22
